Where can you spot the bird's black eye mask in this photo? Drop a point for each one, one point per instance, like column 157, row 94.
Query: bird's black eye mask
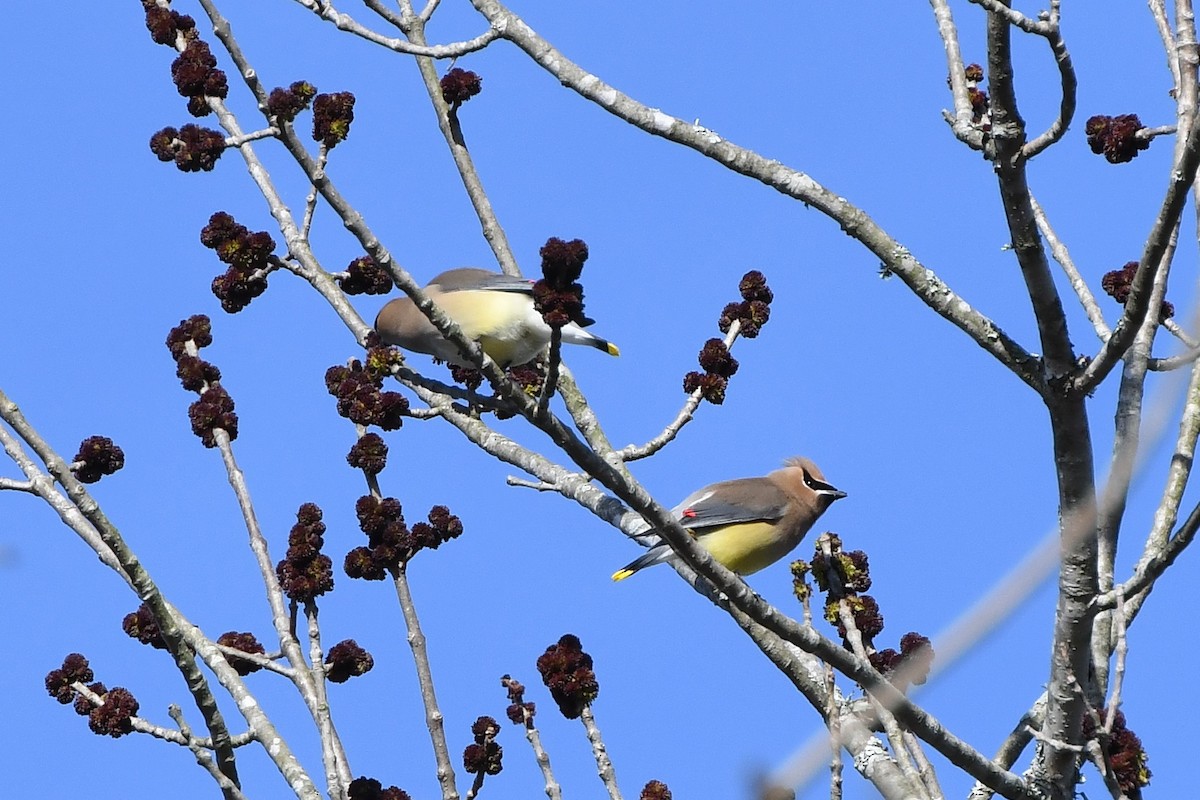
column 816, row 485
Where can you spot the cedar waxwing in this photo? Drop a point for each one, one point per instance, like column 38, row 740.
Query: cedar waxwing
column 749, row 523
column 494, row 309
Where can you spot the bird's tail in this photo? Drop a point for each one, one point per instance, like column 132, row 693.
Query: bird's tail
column 573, row 334
column 653, row 556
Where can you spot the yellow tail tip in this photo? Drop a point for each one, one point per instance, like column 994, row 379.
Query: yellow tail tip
column 622, row 574
column 613, row 350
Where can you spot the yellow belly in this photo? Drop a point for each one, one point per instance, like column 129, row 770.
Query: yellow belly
column 746, row 547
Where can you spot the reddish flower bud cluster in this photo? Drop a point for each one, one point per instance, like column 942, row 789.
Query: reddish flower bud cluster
column 196, row 76
column 371, row 789
column 111, row 717
column 142, row 625
column 844, row 576
column 247, row 643
column 306, row 573
column 980, row 104
column 567, row 672
column 845, row 571
column 1115, row 137
column 530, row 377
column 360, row 398
column 285, row 104
column 166, row 26
column 214, row 409
column 751, row 314
column 332, row 115
column 364, row 276
column 655, row 790
column 248, row 256
column 520, row 712
column 467, row 376
column 755, row 309
column 389, row 541
column 1125, row 753
column 909, row 666
column 97, row 456
column 484, row 755
column 192, row 148
column 347, row 660
column 1118, row 284
column 197, row 329
column 369, row 454
column 974, row 73
column 719, row 365
column 558, row 296
column 74, row 669
column 381, row 358
column 459, row 86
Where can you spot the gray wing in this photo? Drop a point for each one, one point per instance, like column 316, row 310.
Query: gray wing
column 730, row 502
column 454, row 280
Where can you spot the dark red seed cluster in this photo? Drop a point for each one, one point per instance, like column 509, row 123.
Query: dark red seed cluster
column 285, row 104
column 360, row 398
column 117, row 706
column 332, row 115
column 196, row 76
column 1125, row 753
column 389, row 541
column 192, row 148
column 369, row 454
column 567, row 672
column 484, row 756
column 519, row 712
column 214, row 409
column 247, row 643
column 166, row 26
column 459, row 86
column 1115, row 137
column 371, row 789
column 655, row 790
column 558, row 296
column 112, row 717
column 248, row 255
column 1118, row 284
column 74, row 669
column 142, row 625
column 365, row 276
column 754, row 310
column 306, row 573
column 719, row 365
column 97, row 456
column 347, row 660
column 908, row 666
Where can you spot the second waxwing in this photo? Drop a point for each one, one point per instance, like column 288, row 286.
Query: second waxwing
column 748, row 524
column 494, row 309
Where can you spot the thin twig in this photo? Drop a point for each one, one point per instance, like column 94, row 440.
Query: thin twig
column 604, row 765
column 345, row 22
column 634, row 452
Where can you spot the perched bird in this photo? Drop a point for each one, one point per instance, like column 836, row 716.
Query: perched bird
column 494, row 309
column 748, row 524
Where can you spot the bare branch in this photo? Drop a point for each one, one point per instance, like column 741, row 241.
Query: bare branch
column 896, row 258
column 345, row 22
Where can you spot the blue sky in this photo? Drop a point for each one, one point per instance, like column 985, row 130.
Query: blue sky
column 945, row 456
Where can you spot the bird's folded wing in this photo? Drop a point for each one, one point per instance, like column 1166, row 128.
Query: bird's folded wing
column 472, row 278
column 731, row 502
